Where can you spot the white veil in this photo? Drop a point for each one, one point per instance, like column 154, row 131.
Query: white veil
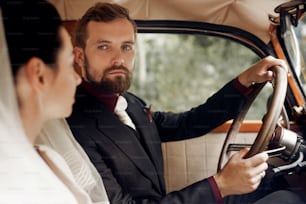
column 57, row 135
column 24, row 176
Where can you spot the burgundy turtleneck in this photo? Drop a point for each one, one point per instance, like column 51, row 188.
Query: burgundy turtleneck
column 246, row 91
column 108, row 100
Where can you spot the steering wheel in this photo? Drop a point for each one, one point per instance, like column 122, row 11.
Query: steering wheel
column 270, row 120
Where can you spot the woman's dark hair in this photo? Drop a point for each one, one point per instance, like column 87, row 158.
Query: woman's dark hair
column 31, row 30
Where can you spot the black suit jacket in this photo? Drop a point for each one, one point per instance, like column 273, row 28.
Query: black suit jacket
column 131, row 163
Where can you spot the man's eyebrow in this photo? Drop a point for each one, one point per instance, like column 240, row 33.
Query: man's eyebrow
column 107, row 41
column 129, row 42
column 103, row 41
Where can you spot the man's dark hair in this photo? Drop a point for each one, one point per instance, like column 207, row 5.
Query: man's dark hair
column 100, row 12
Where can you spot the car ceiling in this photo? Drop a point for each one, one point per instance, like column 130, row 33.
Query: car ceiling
column 249, row 15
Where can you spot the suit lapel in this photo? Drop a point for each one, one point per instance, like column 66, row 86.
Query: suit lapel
column 123, row 137
column 147, row 131
column 126, row 140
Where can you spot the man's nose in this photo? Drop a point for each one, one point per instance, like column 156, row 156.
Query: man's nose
column 118, row 59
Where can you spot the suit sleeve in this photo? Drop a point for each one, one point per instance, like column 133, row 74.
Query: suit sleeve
column 219, row 108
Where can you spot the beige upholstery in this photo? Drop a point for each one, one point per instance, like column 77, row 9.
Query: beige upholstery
column 192, row 160
column 250, row 15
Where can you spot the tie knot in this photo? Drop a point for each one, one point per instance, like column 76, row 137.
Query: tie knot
column 121, row 104
column 121, row 113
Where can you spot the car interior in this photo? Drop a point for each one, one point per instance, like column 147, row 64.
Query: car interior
column 187, row 50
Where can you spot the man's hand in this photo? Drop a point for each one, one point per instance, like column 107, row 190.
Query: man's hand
column 260, row 72
column 239, row 175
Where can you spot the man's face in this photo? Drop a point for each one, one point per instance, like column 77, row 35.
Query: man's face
column 109, row 55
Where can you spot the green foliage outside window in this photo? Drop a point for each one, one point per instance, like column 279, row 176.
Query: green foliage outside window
column 177, row 72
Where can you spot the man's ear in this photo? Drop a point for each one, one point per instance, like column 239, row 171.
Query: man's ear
column 35, row 70
column 79, row 61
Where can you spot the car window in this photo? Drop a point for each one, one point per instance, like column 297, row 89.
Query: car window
column 300, row 33
column 175, row 72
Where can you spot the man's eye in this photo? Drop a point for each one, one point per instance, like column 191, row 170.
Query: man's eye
column 102, row 47
column 127, row 47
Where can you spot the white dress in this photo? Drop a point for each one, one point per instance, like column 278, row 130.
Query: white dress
column 62, row 170
column 57, row 135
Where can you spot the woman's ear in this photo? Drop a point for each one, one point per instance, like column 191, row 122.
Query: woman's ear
column 79, row 59
column 35, row 70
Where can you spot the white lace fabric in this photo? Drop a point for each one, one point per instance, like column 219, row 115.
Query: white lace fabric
column 57, row 135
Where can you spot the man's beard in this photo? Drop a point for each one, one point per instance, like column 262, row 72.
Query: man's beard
column 118, row 85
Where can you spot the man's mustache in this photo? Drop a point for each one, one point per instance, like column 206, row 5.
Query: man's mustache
column 113, row 68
